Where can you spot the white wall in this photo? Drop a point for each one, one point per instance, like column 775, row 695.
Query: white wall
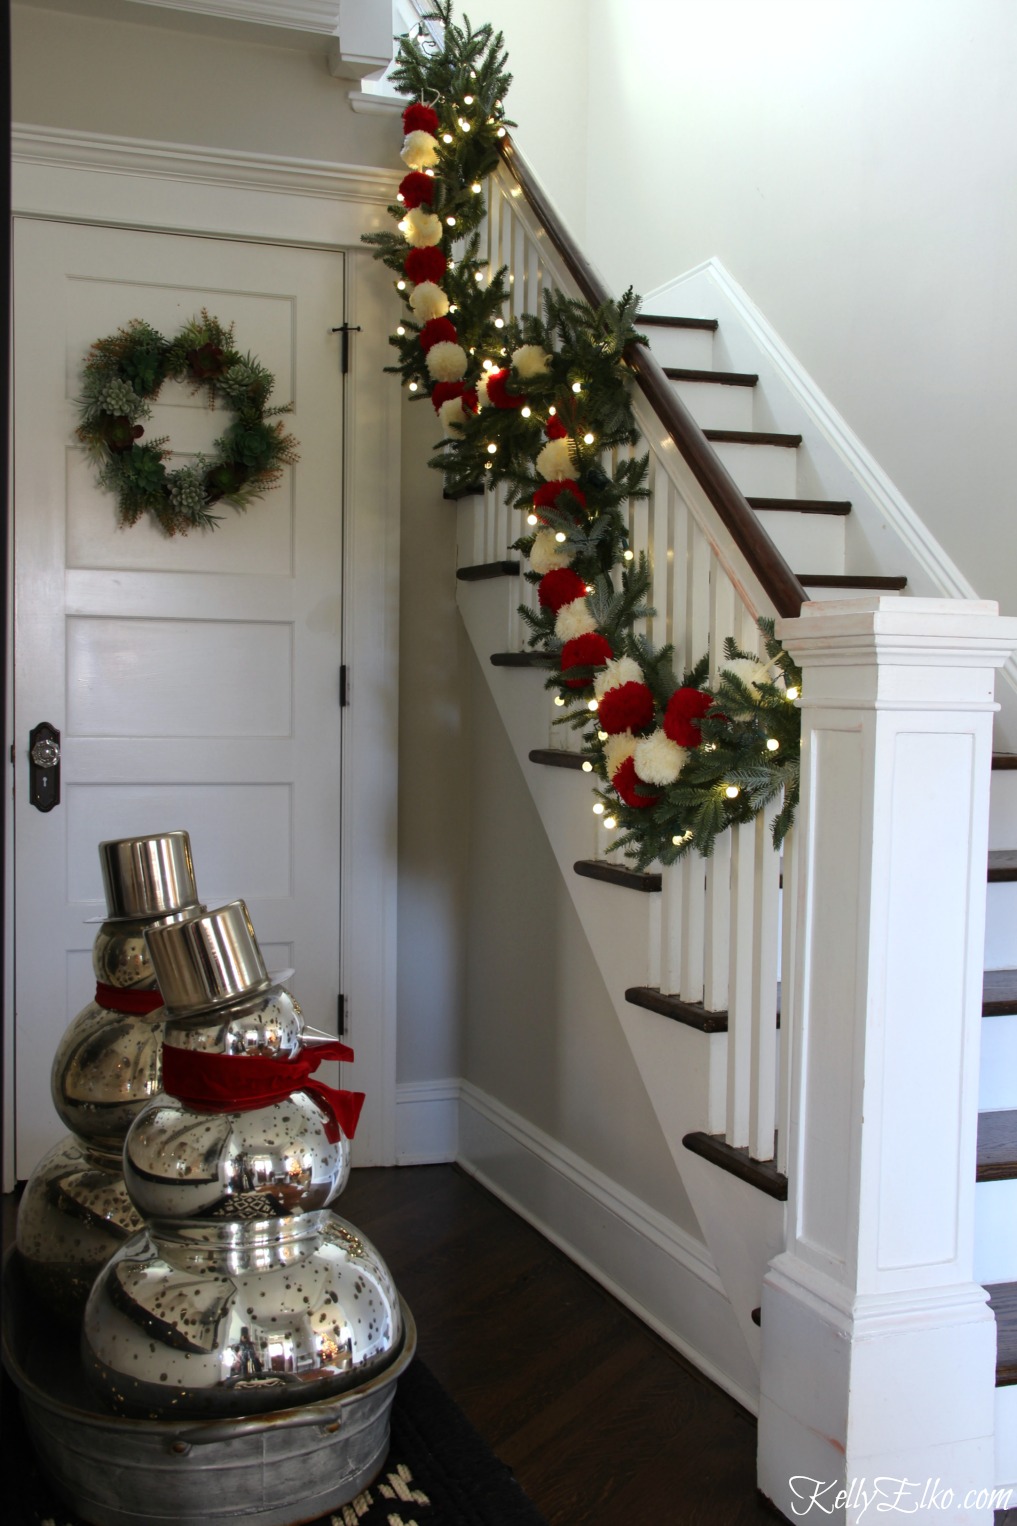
column 852, row 163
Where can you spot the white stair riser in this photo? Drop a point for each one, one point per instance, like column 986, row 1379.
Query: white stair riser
column 1003, row 809
column 764, row 471
column 716, row 406
column 1001, row 926
column 995, row 1231
column 998, row 1068
column 807, row 542
column 849, row 591
column 1006, row 1444
column 690, row 348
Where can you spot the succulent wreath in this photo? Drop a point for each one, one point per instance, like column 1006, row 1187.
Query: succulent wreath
column 123, row 375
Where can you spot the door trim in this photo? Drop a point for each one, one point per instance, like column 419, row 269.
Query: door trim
column 76, row 183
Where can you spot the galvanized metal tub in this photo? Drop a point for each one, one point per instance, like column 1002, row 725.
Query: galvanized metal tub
column 269, row 1470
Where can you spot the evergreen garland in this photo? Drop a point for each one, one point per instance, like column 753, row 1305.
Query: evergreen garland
column 542, row 403
column 123, row 376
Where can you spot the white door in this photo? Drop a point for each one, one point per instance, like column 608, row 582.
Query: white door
column 194, row 680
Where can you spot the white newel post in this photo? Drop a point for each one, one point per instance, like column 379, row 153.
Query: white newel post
column 878, row 1348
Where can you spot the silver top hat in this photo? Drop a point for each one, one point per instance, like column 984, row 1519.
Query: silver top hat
column 148, row 876
column 207, row 961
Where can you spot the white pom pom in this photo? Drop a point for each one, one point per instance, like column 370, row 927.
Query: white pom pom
column 555, row 461
column 616, row 750
column 428, row 301
column 546, row 554
column 574, row 620
column 530, row 360
column 658, row 759
column 748, row 671
column 421, row 229
column 620, row 670
column 446, row 361
column 419, row 150
column 483, row 401
column 451, row 415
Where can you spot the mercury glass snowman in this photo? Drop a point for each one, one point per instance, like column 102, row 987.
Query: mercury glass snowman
column 245, row 1292
column 75, row 1210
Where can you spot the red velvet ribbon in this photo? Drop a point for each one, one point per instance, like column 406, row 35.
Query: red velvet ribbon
column 236, row 1083
column 132, row 1003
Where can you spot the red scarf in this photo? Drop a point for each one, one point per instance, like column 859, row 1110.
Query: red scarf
column 236, row 1083
column 132, row 1003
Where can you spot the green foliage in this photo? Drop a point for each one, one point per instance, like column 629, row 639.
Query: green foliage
column 124, row 371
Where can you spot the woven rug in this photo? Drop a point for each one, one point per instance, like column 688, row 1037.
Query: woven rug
column 438, row 1472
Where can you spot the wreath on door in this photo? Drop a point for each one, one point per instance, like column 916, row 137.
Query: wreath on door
column 123, row 376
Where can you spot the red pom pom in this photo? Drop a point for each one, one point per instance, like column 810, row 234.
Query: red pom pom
column 437, row 331
column 627, row 707
column 420, row 118
column 684, row 709
column 470, row 400
column 547, row 495
column 442, row 391
column 560, row 586
column 497, row 393
column 425, row 264
column 589, row 651
column 625, row 780
column 416, row 188
column 555, row 429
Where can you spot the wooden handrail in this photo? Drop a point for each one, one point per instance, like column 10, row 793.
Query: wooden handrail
column 773, row 572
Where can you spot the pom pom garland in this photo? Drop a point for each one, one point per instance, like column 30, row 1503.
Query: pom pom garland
column 560, row 587
column 685, row 709
column 554, row 461
column 421, row 229
column 546, row 553
column 437, row 331
column 555, row 429
column 590, row 651
column 529, row 361
column 546, row 496
column 442, row 392
column 616, row 750
column 419, row 151
column 627, row 783
column 620, row 670
column 748, row 671
column 452, row 414
column 497, row 392
column 574, row 619
column 658, row 760
column 420, row 118
column 416, row 189
column 428, row 301
column 629, row 707
column 445, row 361
column 427, row 264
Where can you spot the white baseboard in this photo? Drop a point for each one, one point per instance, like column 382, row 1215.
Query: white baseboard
column 664, row 1275
column 427, row 1122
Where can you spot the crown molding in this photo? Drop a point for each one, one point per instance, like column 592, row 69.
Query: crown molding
column 318, row 16
column 62, row 149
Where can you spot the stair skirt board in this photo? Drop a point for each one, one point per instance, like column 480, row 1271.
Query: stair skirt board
column 662, row 1274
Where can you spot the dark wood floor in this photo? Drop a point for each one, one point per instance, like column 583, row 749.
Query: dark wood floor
column 600, row 1421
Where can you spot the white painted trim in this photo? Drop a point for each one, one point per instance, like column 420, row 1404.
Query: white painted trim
column 662, row 1274
column 946, row 577
column 320, row 16
column 65, row 149
column 377, row 102
column 427, row 1122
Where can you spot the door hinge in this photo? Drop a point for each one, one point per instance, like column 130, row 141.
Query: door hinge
column 340, row 1016
column 344, row 686
column 345, row 329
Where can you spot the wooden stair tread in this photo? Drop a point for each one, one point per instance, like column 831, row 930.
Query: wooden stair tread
column 758, row 1173
column 692, row 1013
column 557, row 757
column 616, row 874
column 752, row 437
column 1002, row 865
column 999, row 993
column 1004, row 760
column 802, row 505
column 658, row 320
column 1003, row 1303
column 483, row 570
column 997, row 1146
column 721, row 378
column 523, row 660
column 475, row 490
column 851, row 580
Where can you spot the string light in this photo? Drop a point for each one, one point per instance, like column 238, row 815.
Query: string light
column 413, row 386
column 499, row 323
column 400, row 331
column 531, row 519
column 464, row 124
column 488, row 465
column 446, row 137
column 488, row 365
column 732, row 792
column 593, row 704
column 598, row 809
column 601, row 736
column 526, row 412
column 468, row 99
column 587, row 768
column 588, row 439
column 403, row 226
column 792, row 693
column 492, row 448
column 561, row 537
column 400, row 196
column 429, row 173
column 772, row 744
column 558, row 700
column 479, row 276
column 450, row 220
column 400, row 286
column 628, row 555
column 610, row 823
column 453, row 308
column 501, row 132
column 576, row 387
column 476, row 188
column 552, row 410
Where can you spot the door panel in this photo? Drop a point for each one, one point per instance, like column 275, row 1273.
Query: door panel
column 194, row 680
